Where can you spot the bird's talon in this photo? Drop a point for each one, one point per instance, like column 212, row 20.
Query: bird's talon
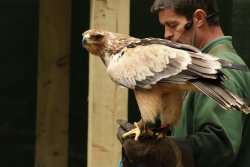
column 136, row 131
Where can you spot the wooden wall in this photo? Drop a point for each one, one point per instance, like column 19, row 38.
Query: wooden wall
column 107, row 102
column 53, row 83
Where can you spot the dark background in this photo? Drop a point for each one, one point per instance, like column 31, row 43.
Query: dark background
column 18, row 70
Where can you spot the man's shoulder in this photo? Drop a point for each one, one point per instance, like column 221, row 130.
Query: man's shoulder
column 225, row 50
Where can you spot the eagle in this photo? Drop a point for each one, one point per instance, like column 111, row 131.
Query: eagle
column 161, row 72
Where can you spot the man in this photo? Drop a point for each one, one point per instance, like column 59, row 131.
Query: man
column 207, row 135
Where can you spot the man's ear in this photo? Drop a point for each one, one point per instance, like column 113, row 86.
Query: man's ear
column 200, row 16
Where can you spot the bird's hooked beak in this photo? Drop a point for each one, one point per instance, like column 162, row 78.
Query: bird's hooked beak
column 85, row 40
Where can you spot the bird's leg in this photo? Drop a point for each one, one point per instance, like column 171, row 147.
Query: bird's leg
column 139, row 126
column 148, row 131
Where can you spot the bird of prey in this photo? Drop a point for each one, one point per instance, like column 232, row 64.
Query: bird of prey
column 161, row 72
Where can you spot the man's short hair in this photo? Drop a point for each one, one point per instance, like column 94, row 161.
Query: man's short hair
column 187, row 8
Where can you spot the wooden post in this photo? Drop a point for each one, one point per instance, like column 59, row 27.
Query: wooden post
column 53, row 83
column 107, row 102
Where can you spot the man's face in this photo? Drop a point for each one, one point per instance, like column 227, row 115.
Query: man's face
column 174, row 27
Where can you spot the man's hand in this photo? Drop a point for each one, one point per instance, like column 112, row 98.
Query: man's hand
column 149, row 151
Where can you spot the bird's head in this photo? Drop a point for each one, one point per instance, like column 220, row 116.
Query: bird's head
column 104, row 43
column 97, row 41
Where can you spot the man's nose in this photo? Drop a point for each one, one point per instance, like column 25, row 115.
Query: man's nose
column 168, row 34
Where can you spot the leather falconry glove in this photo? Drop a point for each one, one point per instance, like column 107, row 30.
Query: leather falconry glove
column 154, row 151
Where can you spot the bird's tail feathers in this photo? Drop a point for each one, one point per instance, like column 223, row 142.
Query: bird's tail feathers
column 223, row 96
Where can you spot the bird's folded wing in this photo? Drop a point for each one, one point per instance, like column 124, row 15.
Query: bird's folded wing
column 144, row 65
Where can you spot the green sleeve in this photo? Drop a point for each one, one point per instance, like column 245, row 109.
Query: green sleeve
column 215, row 134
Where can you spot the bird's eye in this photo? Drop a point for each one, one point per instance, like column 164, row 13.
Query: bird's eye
column 97, row 37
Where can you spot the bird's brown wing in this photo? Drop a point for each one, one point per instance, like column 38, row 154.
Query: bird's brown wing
column 145, row 64
column 142, row 66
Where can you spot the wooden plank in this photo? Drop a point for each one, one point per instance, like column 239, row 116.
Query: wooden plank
column 107, row 102
column 53, row 83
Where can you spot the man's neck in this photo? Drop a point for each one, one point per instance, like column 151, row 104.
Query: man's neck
column 214, row 32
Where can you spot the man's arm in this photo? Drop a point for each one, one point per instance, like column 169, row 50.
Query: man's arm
column 216, row 134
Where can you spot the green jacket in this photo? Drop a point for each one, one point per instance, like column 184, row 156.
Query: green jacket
column 218, row 137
